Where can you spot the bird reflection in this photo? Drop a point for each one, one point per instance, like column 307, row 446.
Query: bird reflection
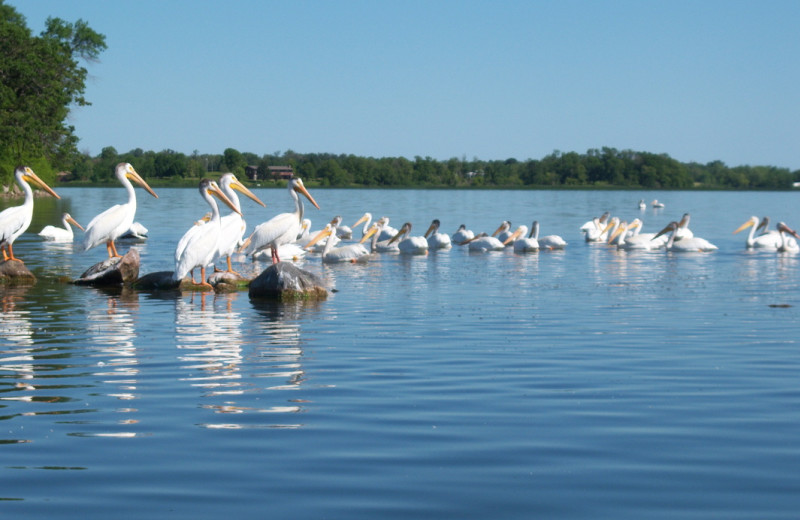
column 112, row 328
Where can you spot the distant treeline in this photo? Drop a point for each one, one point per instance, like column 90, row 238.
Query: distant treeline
column 603, row 168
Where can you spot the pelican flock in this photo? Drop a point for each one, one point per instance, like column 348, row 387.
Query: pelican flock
column 217, row 237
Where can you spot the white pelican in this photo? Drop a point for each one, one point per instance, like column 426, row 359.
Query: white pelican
column 503, row 232
column 387, row 231
column 199, row 245
column 483, row 242
column 593, row 229
column 366, row 218
column 15, row 220
column 320, row 245
column 683, row 230
column 345, row 253
column 233, row 225
column 282, row 228
column 657, row 204
column 636, row 241
column 435, row 239
column 377, row 245
column 772, row 240
column 116, row 220
column 610, row 230
column 462, row 234
column 61, row 234
column 305, row 231
column 788, row 245
column 550, row 242
column 685, row 244
column 522, row 243
column 136, row 230
column 642, row 205
column 409, row 245
column 343, row 232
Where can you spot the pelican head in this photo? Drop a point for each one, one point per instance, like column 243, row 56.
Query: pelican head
column 374, row 228
column 68, row 218
column 672, row 226
column 504, row 226
column 126, row 170
column 433, row 228
column 521, row 231
column 230, row 180
column 783, row 228
column 209, row 187
column 296, row 185
column 406, row 229
column 327, row 231
column 366, row 217
column 26, row 174
column 752, row 221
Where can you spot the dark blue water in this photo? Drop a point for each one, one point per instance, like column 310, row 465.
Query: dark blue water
column 587, row 383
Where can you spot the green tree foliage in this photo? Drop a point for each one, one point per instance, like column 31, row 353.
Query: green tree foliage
column 605, row 168
column 41, row 78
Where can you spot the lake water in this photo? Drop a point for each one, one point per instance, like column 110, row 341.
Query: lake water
column 586, row 383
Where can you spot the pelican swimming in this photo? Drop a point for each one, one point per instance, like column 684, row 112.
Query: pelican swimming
column 377, row 245
column 200, row 244
column 690, row 244
column 282, row 228
column 136, row 231
column 343, row 232
column 550, row 242
column 788, row 245
column 637, row 241
column 305, row 231
column 642, row 204
column 366, row 218
column 483, row 242
column 683, row 230
column 772, row 240
column 462, row 234
column 521, row 242
column 15, row 220
column 503, row 231
column 387, row 231
column 61, row 234
column 657, row 204
column 232, row 225
column 116, row 220
column 345, row 253
column 408, row 244
column 435, row 239
column 596, row 229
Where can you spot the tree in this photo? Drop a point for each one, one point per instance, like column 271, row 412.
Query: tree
column 41, row 78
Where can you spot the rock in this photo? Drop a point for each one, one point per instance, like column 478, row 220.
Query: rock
column 113, row 271
column 14, row 272
column 286, row 282
column 225, row 282
column 156, row 281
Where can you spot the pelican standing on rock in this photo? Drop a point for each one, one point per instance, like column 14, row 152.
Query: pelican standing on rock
column 280, row 229
column 232, row 225
column 200, row 244
column 61, row 234
column 15, row 220
column 116, row 220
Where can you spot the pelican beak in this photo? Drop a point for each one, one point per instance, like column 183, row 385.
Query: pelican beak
column 319, row 236
column 135, row 177
column 515, row 235
column 214, row 190
column 403, row 230
column 302, row 189
column 359, row 221
column 430, row 230
column 498, row 230
column 617, row 232
column 665, row 230
column 786, row 229
column 241, row 188
column 372, row 230
column 74, row 223
column 32, row 177
column 743, row 226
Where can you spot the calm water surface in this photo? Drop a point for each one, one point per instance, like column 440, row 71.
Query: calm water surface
column 588, row 383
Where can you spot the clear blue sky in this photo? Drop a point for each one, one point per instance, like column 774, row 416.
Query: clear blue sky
column 697, row 80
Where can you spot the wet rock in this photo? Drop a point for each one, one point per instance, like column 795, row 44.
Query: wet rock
column 156, row 281
column 14, row 272
column 225, row 282
column 113, row 271
column 286, row 282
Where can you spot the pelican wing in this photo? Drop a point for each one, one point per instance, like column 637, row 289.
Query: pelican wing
column 108, row 225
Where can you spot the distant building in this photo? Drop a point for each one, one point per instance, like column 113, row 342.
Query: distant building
column 251, row 172
column 281, row 172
